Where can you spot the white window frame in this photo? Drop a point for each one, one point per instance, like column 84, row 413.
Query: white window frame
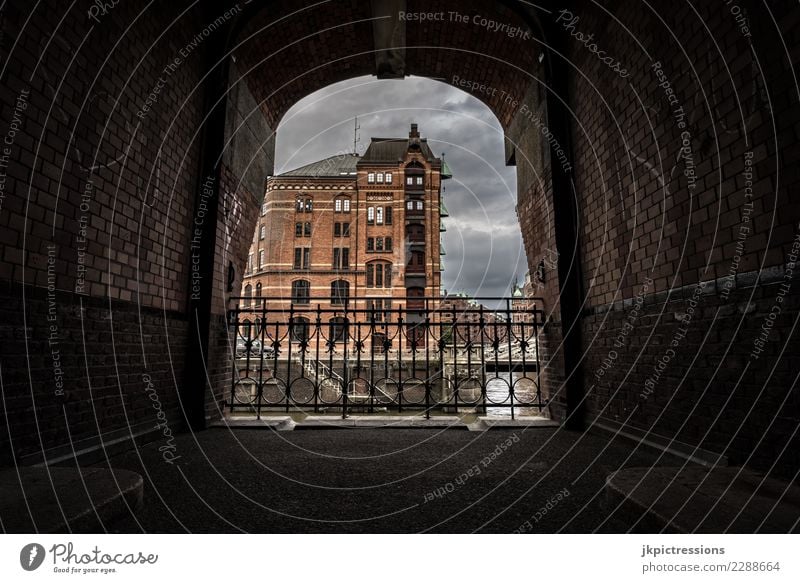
column 379, row 216
column 380, row 178
column 261, row 259
column 388, row 178
column 371, row 178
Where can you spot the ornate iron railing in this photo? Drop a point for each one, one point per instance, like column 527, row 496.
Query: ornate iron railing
column 365, row 355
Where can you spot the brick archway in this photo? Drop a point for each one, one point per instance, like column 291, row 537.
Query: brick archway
column 493, row 52
column 130, row 172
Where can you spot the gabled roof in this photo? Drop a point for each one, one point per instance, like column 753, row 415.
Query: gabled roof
column 392, row 150
column 337, row 166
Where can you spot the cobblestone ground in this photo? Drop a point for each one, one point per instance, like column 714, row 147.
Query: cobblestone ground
column 381, row 480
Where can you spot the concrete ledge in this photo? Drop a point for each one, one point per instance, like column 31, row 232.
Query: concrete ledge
column 679, row 449
column 274, row 423
column 58, row 500
column 96, row 449
column 486, row 423
column 701, row 500
column 384, row 421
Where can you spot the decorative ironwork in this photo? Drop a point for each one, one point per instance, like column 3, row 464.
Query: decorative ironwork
column 365, row 355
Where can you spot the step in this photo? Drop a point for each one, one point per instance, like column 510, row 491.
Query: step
column 696, row 499
column 49, row 499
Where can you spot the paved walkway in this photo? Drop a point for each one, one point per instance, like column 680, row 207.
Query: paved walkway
column 380, row 480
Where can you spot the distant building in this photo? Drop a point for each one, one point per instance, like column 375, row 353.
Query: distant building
column 352, row 231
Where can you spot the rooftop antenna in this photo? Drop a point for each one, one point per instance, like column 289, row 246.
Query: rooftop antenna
column 356, row 136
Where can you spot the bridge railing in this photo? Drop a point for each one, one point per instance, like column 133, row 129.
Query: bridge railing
column 398, row 354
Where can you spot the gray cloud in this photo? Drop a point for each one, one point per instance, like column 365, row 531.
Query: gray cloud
column 483, row 241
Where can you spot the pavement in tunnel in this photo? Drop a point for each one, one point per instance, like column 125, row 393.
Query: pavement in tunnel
column 380, row 480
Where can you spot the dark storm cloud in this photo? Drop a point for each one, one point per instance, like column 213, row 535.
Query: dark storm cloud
column 483, row 242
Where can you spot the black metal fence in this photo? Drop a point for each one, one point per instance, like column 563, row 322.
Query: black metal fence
column 364, row 355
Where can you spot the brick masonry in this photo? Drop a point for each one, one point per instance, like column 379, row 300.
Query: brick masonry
column 640, row 218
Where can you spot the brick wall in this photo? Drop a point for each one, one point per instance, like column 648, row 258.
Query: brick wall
column 654, row 221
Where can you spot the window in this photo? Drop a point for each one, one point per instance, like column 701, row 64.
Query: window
column 338, row 328
column 263, row 209
column 388, row 178
column 380, row 177
column 388, row 215
column 298, row 229
column 341, row 229
column 371, row 178
column 340, row 292
column 261, row 259
column 303, row 205
column 258, row 290
column 419, row 180
column 379, row 219
column 248, row 293
column 378, row 309
column 409, row 180
column 371, row 215
column 341, row 205
column 416, row 262
column 419, row 205
column 300, row 291
column 379, row 274
column 250, row 263
column 306, row 229
column 341, row 258
column 262, row 232
column 299, row 328
column 379, row 244
column 302, row 257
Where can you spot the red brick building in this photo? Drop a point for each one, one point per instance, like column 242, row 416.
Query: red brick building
column 349, row 230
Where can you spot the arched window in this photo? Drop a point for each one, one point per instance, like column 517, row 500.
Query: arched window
column 258, row 289
column 300, row 291
column 248, row 293
column 379, row 274
column 338, row 328
column 340, row 292
column 415, row 176
column 299, row 328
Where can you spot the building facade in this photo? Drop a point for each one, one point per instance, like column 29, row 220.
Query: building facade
column 352, row 232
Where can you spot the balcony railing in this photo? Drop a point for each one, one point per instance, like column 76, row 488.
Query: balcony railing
column 366, row 357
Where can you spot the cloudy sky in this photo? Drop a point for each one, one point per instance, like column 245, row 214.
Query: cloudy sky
column 483, row 241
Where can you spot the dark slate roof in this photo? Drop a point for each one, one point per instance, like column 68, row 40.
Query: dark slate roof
column 391, row 150
column 332, row 167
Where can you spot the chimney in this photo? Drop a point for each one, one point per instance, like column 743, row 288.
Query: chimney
column 414, row 133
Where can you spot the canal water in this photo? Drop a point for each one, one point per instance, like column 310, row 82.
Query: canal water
column 497, row 391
